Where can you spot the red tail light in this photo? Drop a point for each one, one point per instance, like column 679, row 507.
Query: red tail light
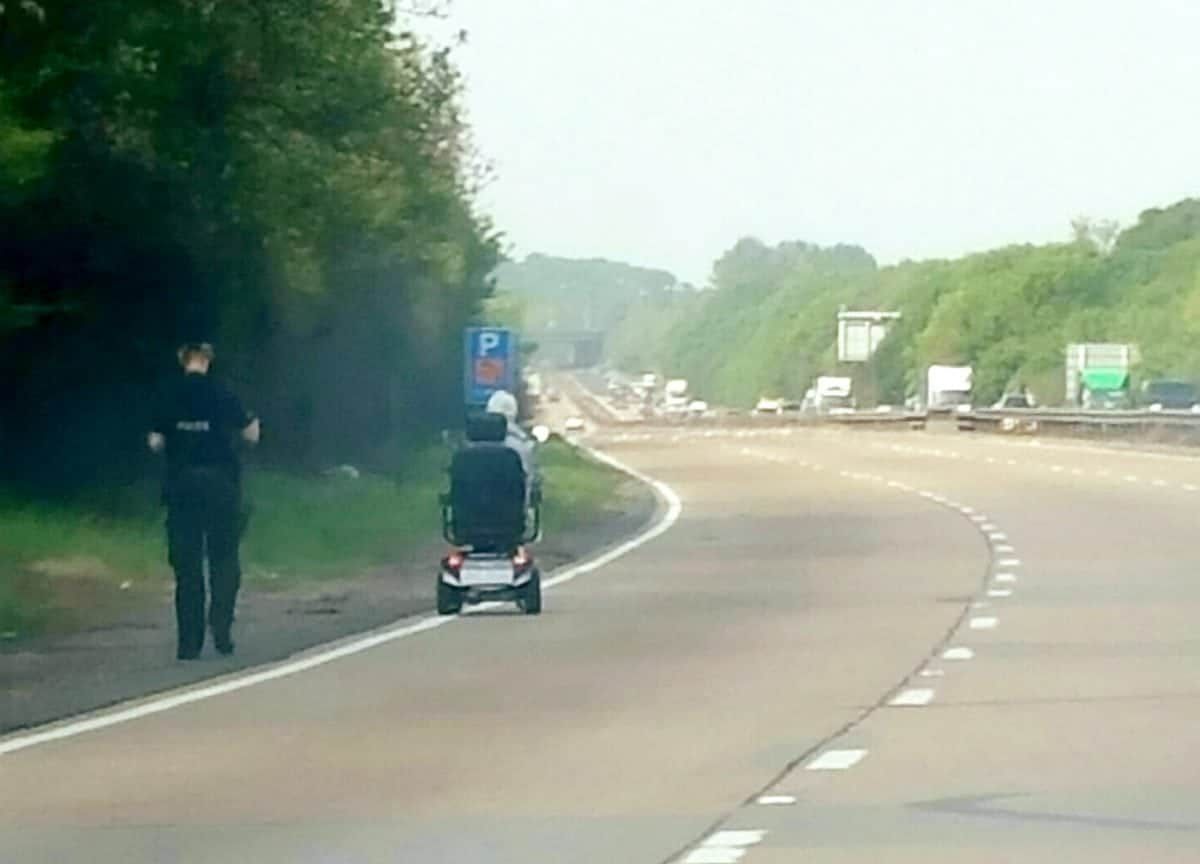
column 520, row 557
column 454, row 560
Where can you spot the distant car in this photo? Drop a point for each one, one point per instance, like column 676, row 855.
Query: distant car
column 767, row 407
column 574, row 424
column 1013, row 400
column 1167, row 395
column 697, row 407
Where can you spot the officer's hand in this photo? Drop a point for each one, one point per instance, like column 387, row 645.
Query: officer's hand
column 253, row 432
column 156, row 442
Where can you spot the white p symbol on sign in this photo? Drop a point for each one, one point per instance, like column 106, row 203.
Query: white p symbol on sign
column 489, row 341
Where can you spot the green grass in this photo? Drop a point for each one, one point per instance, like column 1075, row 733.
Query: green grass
column 576, row 488
column 63, row 566
column 312, row 527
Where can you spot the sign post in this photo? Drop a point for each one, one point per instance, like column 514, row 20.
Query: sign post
column 860, row 333
column 490, row 363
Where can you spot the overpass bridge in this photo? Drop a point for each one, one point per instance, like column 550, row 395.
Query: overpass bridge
column 567, row 349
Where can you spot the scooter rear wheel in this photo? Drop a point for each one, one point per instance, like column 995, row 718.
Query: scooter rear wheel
column 449, row 600
column 531, row 595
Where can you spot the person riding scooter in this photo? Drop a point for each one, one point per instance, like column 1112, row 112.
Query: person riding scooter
column 505, row 404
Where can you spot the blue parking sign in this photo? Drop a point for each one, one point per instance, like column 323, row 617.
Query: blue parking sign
column 490, row 355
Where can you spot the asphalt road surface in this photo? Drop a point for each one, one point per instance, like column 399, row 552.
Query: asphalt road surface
column 850, row 647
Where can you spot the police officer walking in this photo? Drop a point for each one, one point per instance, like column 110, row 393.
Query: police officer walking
column 197, row 424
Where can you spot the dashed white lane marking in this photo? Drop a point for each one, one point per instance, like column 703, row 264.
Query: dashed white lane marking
column 1132, row 478
column 321, row 657
column 1004, row 547
column 725, row 847
column 1012, row 462
column 978, row 517
column 982, row 623
column 715, row 855
column 736, row 838
column 933, row 673
column 1057, row 469
column 1009, row 562
column 1006, row 577
column 967, row 510
column 1191, row 487
column 836, row 760
column 776, row 800
column 1000, row 592
column 1160, row 483
column 988, row 526
column 913, row 698
column 1077, row 472
column 958, row 654
column 980, row 604
column 997, row 535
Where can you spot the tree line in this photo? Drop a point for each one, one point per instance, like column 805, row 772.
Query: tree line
column 291, row 179
column 767, row 326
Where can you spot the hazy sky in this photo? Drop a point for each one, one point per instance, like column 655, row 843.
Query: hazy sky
column 660, row 131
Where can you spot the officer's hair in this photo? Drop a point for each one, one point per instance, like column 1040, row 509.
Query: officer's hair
column 187, row 349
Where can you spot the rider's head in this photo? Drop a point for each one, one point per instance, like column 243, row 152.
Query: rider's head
column 503, row 402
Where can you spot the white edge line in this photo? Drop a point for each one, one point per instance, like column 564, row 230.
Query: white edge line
column 287, row 668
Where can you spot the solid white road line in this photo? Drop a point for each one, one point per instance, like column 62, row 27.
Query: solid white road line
column 836, row 760
column 392, row 633
column 913, row 698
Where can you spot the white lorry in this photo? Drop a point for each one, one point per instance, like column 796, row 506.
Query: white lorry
column 675, row 396
column 832, row 395
column 948, row 388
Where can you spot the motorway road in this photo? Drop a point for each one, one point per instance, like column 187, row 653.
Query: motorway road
column 1031, row 610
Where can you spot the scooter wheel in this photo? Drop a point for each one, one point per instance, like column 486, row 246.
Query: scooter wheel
column 449, row 600
column 531, row 595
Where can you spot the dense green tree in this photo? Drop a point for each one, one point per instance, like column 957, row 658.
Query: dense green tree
column 289, row 177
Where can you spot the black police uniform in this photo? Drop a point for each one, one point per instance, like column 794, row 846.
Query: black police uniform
column 200, row 420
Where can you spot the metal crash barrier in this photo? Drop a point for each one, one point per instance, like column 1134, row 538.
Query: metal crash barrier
column 1161, row 427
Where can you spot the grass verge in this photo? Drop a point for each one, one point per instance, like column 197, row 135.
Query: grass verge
column 66, row 567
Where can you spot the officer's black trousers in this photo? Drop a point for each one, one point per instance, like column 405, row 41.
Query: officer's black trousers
column 204, row 513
